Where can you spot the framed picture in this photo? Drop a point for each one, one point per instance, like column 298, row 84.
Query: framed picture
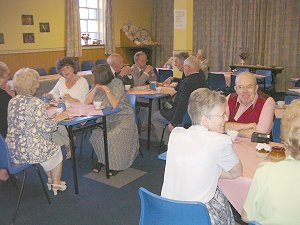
column 27, row 19
column 44, row 27
column 28, row 38
column 1, row 38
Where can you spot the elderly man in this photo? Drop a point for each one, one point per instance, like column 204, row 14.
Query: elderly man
column 141, row 72
column 203, row 61
column 116, row 65
column 179, row 60
column 174, row 114
column 247, row 110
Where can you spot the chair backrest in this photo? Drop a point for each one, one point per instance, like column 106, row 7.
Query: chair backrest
column 87, row 65
column 100, row 61
column 162, row 211
column 186, row 119
column 276, row 130
column 41, row 71
column 53, row 70
column 297, row 84
column 216, row 81
column 5, row 160
column 289, row 97
column 268, row 77
column 253, row 223
column 164, row 74
column 232, row 81
column 237, row 71
column 132, row 101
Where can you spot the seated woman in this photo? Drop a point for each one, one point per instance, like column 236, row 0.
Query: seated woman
column 200, row 155
column 4, row 99
column 272, row 197
column 122, row 133
column 70, row 87
column 29, row 129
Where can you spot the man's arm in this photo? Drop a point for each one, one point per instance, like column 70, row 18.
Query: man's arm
column 138, row 79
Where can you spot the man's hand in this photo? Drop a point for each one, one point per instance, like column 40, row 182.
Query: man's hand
column 125, row 70
column 171, row 127
column 148, row 69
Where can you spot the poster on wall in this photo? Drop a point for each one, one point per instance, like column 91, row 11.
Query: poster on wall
column 1, row 38
column 28, row 38
column 44, row 27
column 27, row 19
column 180, row 19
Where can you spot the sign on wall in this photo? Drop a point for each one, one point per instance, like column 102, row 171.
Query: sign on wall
column 180, row 19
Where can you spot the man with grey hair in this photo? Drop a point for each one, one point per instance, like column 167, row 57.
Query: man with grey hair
column 140, row 71
column 174, row 114
column 116, row 66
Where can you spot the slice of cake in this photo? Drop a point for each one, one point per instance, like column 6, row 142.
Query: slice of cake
column 263, row 150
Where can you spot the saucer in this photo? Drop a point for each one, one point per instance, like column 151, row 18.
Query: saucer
column 101, row 107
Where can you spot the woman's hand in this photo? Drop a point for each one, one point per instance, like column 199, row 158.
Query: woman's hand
column 69, row 98
column 48, row 95
column 103, row 88
column 61, row 116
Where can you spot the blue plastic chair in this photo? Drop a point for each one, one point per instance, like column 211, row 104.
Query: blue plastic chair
column 5, row 163
column 132, row 101
column 87, row 65
column 41, row 71
column 186, row 122
column 216, row 82
column 53, row 70
column 156, row 210
column 237, row 71
column 100, row 61
column 253, row 223
column 290, row 96
column 164, row 74
column 297, row 84
column 267, row 82
column 276, row 130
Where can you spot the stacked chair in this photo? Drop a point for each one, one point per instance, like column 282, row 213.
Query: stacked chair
column 41, row 71
column 87, row 65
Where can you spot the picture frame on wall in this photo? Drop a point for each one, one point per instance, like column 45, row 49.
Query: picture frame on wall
column 1, row 38
column 27, row 20
column 44, row 27
column 28, row 38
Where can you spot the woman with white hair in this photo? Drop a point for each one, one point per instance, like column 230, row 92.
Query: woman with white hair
column 201, row 55
column 200, row 155
column 29, row 129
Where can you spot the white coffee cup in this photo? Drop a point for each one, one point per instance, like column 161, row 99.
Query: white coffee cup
column 97, row 104
column 233, row 134
column 159, row 89
column 280, row 103
column 127, row 87
column 59, row 110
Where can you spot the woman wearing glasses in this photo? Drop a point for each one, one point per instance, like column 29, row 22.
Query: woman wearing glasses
column 199, row 156
column 249, row 111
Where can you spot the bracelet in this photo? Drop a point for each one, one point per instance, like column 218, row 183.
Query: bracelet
column 107, row 91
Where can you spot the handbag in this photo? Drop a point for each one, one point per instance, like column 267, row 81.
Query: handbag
column 168, row 103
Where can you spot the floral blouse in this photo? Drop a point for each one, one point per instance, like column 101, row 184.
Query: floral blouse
column 29, row 131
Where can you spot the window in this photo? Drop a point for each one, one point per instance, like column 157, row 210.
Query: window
column 92, row 21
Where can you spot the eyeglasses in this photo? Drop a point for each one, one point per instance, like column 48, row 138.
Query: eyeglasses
column 222, row 116
column 249, row 87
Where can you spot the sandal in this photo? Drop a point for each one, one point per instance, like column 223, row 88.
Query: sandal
column 97, row 167
column 114, row 172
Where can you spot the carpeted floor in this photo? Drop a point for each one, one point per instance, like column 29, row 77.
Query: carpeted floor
column 99, row 202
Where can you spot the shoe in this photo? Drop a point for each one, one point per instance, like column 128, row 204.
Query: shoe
column 49, row 185
column 114, row 172
column 97, row 167
column 58, row 187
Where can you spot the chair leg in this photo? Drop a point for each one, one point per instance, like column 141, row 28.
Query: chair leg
column 42, row 182
column 162, row 139
column 140, row 150
column 19, row 198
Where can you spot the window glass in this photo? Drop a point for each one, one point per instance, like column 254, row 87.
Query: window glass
column 92, row 4
column 93, row 14
column 92, row 26
column 82, row 3
column 84, row 13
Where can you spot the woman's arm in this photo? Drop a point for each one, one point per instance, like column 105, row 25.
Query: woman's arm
column 111, row 98
column 235, row 172
column 90, row 96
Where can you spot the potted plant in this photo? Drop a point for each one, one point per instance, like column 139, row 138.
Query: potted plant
column 86, row 38
column 244, row 54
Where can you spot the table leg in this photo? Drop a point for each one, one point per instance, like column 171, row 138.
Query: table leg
column 149, row 124
column 105, row 147
column 74, row 167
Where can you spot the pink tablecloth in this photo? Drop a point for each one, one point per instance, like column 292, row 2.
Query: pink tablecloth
column 236, row 190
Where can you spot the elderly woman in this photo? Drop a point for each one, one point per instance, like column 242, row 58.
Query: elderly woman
column 203, row 61
column 273, row 197
column 122, row 133
column 200, row 155
column 70, row 87
column 29, row 129
column 4, row 99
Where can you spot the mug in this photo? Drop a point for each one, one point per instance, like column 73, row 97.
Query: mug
column 97, row 104
column 153, row 85
column 62, row 105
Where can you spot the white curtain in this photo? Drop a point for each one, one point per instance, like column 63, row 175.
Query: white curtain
column 163, row 30
column 268, row 28
column 73, row 46
column 109, row 40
